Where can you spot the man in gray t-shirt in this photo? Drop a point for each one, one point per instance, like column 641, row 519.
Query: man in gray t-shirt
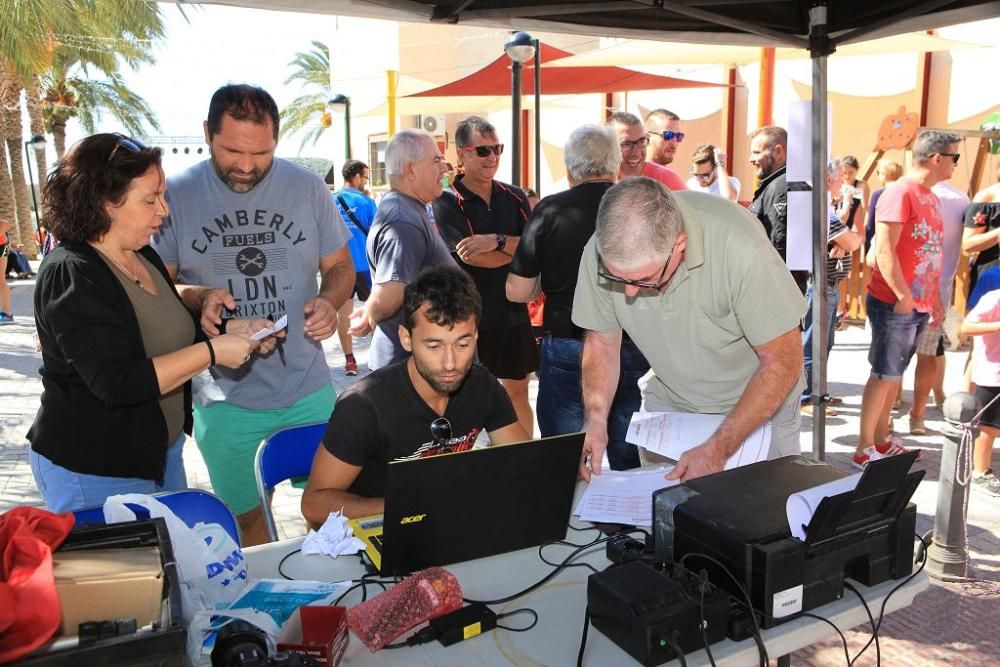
column 401, row 242
column 257, row 230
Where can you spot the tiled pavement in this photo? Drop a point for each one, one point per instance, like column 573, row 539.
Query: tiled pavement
column 949, row 624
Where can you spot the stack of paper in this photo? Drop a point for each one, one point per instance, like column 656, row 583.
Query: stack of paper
column 622, row 496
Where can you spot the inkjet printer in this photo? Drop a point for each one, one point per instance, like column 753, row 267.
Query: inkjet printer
column 737, row 519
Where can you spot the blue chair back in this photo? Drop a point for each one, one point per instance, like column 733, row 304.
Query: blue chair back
column 190, row 505
column 283, row 455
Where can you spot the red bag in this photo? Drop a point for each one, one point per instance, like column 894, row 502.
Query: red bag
column 29, row 605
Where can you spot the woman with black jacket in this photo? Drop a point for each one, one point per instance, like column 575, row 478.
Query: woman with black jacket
column 119, row 346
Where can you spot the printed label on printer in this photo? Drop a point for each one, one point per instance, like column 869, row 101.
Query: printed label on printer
column 787, row 602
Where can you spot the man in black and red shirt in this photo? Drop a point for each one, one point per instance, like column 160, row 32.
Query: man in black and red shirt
column 389, row 414
column 481, row 221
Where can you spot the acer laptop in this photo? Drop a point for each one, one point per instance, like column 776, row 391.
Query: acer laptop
column 455, row 507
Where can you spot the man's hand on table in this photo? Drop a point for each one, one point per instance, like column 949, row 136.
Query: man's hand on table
column 705, row 459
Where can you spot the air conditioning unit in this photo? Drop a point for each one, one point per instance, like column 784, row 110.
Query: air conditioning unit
column 433, row 124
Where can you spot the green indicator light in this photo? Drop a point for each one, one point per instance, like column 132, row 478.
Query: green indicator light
column 663, row 642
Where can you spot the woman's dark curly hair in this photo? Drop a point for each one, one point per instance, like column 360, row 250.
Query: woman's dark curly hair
column 95, row 172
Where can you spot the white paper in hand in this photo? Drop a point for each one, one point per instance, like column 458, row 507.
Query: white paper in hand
column 671, row 434
column 273, row 329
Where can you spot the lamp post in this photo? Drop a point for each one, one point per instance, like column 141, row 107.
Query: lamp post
column 338, row 103
column 36, row 141
column 519, row 48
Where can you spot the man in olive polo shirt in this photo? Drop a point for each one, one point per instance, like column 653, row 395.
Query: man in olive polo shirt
column 695, row 282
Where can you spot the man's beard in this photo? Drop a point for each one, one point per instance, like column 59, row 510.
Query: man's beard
column 442, row 387
column 255, row 177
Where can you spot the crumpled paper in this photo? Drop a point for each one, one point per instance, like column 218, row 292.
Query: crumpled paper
column 334, row 538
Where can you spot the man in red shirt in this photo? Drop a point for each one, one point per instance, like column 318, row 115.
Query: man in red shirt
column 904, row 293
column 633, row 140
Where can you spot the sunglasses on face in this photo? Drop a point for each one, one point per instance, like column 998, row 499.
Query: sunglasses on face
column 483, row 151
column 629, row 145
column 602, row 271
column 707, row 174
column 131, row 145
column 953, row 156
column 669, row 135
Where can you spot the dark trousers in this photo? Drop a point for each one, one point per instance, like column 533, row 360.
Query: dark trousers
column 559, row 405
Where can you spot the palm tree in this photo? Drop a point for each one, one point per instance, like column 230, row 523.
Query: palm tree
column 309, row 111
column 67, row 93
column 30, row 27
column 43, row 34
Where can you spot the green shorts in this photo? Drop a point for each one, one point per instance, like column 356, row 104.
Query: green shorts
column 228, row 438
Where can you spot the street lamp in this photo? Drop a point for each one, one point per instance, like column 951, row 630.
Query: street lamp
column 520, row 48
column 37, row 141
column 338, row 103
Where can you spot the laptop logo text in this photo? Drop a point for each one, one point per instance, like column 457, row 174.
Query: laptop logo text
column 416, row 518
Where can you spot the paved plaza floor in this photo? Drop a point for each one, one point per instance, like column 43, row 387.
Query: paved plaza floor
column 949, row 624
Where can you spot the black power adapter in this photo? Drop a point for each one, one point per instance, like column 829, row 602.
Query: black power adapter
column 463, row 623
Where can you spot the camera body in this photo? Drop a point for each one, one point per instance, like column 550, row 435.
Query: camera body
column 241, row 644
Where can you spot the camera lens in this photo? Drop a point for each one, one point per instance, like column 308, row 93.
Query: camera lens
column 239, row 643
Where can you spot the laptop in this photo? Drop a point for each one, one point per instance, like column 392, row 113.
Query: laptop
column 455, row 507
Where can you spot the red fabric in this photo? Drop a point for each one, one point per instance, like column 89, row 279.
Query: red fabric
column 29, row 605
column 536, row 310
column 494, row 79
column 664, row 175
column 918, row 250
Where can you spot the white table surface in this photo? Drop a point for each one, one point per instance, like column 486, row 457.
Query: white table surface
column 560, row 605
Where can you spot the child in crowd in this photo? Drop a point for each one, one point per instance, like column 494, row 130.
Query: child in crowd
column 983, row 322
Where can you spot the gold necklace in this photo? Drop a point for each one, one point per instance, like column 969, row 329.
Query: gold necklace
column 133, row 275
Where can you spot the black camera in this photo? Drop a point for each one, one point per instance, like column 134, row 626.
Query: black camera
column 240, row 644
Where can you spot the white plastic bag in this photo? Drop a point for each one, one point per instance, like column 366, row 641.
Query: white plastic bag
column 210, row 564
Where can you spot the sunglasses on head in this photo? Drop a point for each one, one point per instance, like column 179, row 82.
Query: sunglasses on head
column 131, row 145
column 669, row 135
column 953, row 156
column 483, row 151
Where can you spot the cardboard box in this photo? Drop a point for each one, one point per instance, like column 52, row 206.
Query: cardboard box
column 106, row 584
column 320, row 632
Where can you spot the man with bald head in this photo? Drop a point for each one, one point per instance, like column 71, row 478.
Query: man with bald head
column 698, row 287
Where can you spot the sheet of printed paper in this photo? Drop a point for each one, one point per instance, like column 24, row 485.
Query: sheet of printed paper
column 274, row 328
column 673, row 433
column 624, row 496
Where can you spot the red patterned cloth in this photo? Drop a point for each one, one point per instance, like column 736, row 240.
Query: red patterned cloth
column 29, row 605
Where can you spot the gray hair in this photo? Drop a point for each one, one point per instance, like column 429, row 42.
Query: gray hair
column 466, row 128
column 405, row 146
column 932, row 142
column 834, row 166
column 592, row 151
column 638, row 221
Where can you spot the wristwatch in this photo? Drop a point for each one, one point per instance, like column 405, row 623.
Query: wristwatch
column 501, row 241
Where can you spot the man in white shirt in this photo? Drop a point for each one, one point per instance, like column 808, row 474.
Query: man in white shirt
column 708, row 173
